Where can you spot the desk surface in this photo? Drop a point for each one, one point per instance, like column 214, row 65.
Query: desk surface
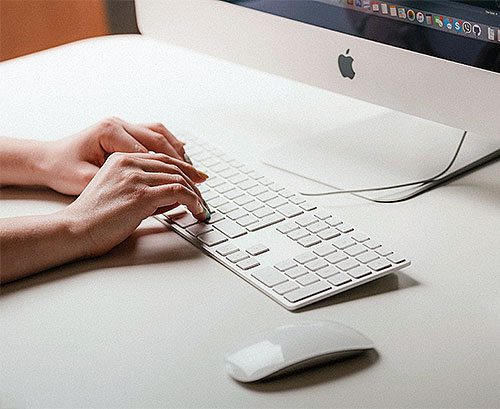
column 147, row 325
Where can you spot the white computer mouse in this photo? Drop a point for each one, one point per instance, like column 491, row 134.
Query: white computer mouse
column 293, row 347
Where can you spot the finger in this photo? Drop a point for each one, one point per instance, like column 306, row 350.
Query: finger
column 119, row 140
column 152, row 140
column 176, row 143
column 160, row 178
column 167, row 195
column 197, row 176
column 165, row 209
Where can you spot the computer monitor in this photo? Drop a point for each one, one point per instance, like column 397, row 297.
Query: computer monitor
column 436, row 60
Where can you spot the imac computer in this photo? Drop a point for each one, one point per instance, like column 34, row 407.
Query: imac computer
column 433, row 65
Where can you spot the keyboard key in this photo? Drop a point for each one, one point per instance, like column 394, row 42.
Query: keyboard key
column 367, row 257
column 316, row 265
column 233, row 194
column 214, row 218
column 217, row 201
column 360, row 237
column 307, row 206
column 198, row 229
column 185, row 220
column 227, row 250
column 355, row 250
column 305, row 257
column 224, row 188
column 296, row 272
column 265, row 222
column 322, row 214
column 254, row 175
column 226, row 208
column 256, row 190
column 257, row 249
column 247, row 220
column 343, row 242
column 297, row 199
column 248, row 263
column 309, row 241
column 247, row 184
column 265, row 181
column 230, row 228
column 317, row 227
column 286, row 228
column 309, row 291
column 236, row 214
column 358, row 272
column 238, row 178
column 347, row 264
column 276, row 202
column 306, row 220
column 372, row 244
column 275, row 187
column 289, row 210
column 237, row 256
column 336, row 257
column 379, row 265
column 243, row 200
column 327, row 272
column 266, row 196
column 212, row 238
column 307, row 279
column 285, row 265
column 383, row 251
column 298, row 234
column 339, row 279
column 227, row 173
column 285, row 287
column 286, row 194
column 328, row 234
column 344, row 228
column 324, row 250
column 215, row 181
column 334, row 221
column 396, row 258
column 269, row 276
column 209, row 194
column 263, row 212
column 253, row 205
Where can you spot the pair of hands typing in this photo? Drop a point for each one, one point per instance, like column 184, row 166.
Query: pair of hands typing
column 118, row 179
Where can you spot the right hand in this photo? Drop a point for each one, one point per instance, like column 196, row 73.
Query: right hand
column 129, row 188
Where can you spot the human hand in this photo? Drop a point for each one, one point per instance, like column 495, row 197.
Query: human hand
column 70, row 163
column 128, row 188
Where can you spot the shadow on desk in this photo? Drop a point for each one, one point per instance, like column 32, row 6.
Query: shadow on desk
column 147, row 245
column 317, row 375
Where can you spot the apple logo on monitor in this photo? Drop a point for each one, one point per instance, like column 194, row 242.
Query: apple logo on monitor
column 345, row 65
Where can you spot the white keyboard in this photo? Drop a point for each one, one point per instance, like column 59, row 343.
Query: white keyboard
column 275, row 239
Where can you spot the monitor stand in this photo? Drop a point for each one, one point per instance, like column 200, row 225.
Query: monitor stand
column 388, row 149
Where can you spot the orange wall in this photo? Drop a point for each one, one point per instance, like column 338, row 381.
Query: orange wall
column 27, row 26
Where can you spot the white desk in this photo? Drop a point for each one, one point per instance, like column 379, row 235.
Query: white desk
column 148, row 324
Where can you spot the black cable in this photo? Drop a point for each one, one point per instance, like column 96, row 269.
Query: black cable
column 422, row 182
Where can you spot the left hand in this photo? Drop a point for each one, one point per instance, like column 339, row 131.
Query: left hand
column 71, row 163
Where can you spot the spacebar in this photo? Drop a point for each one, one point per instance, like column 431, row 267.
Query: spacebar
column 301, row 293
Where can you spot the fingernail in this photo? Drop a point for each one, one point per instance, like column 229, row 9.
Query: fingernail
column 202, row 174
column 188, row 159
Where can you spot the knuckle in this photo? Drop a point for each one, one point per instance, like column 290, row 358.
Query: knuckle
column 120, row 159
column 177, row 188
column 109, row 124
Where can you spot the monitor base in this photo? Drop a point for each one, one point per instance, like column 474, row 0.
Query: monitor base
column 389, row 149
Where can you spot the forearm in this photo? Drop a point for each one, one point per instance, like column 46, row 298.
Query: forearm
column 22, row 162
column 32, row 244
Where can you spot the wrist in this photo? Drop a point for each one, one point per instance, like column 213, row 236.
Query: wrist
column 75, row 232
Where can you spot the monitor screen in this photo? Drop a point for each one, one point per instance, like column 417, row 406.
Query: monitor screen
column 463, row 31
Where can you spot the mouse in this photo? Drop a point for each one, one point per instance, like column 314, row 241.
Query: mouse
column 291, row 348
